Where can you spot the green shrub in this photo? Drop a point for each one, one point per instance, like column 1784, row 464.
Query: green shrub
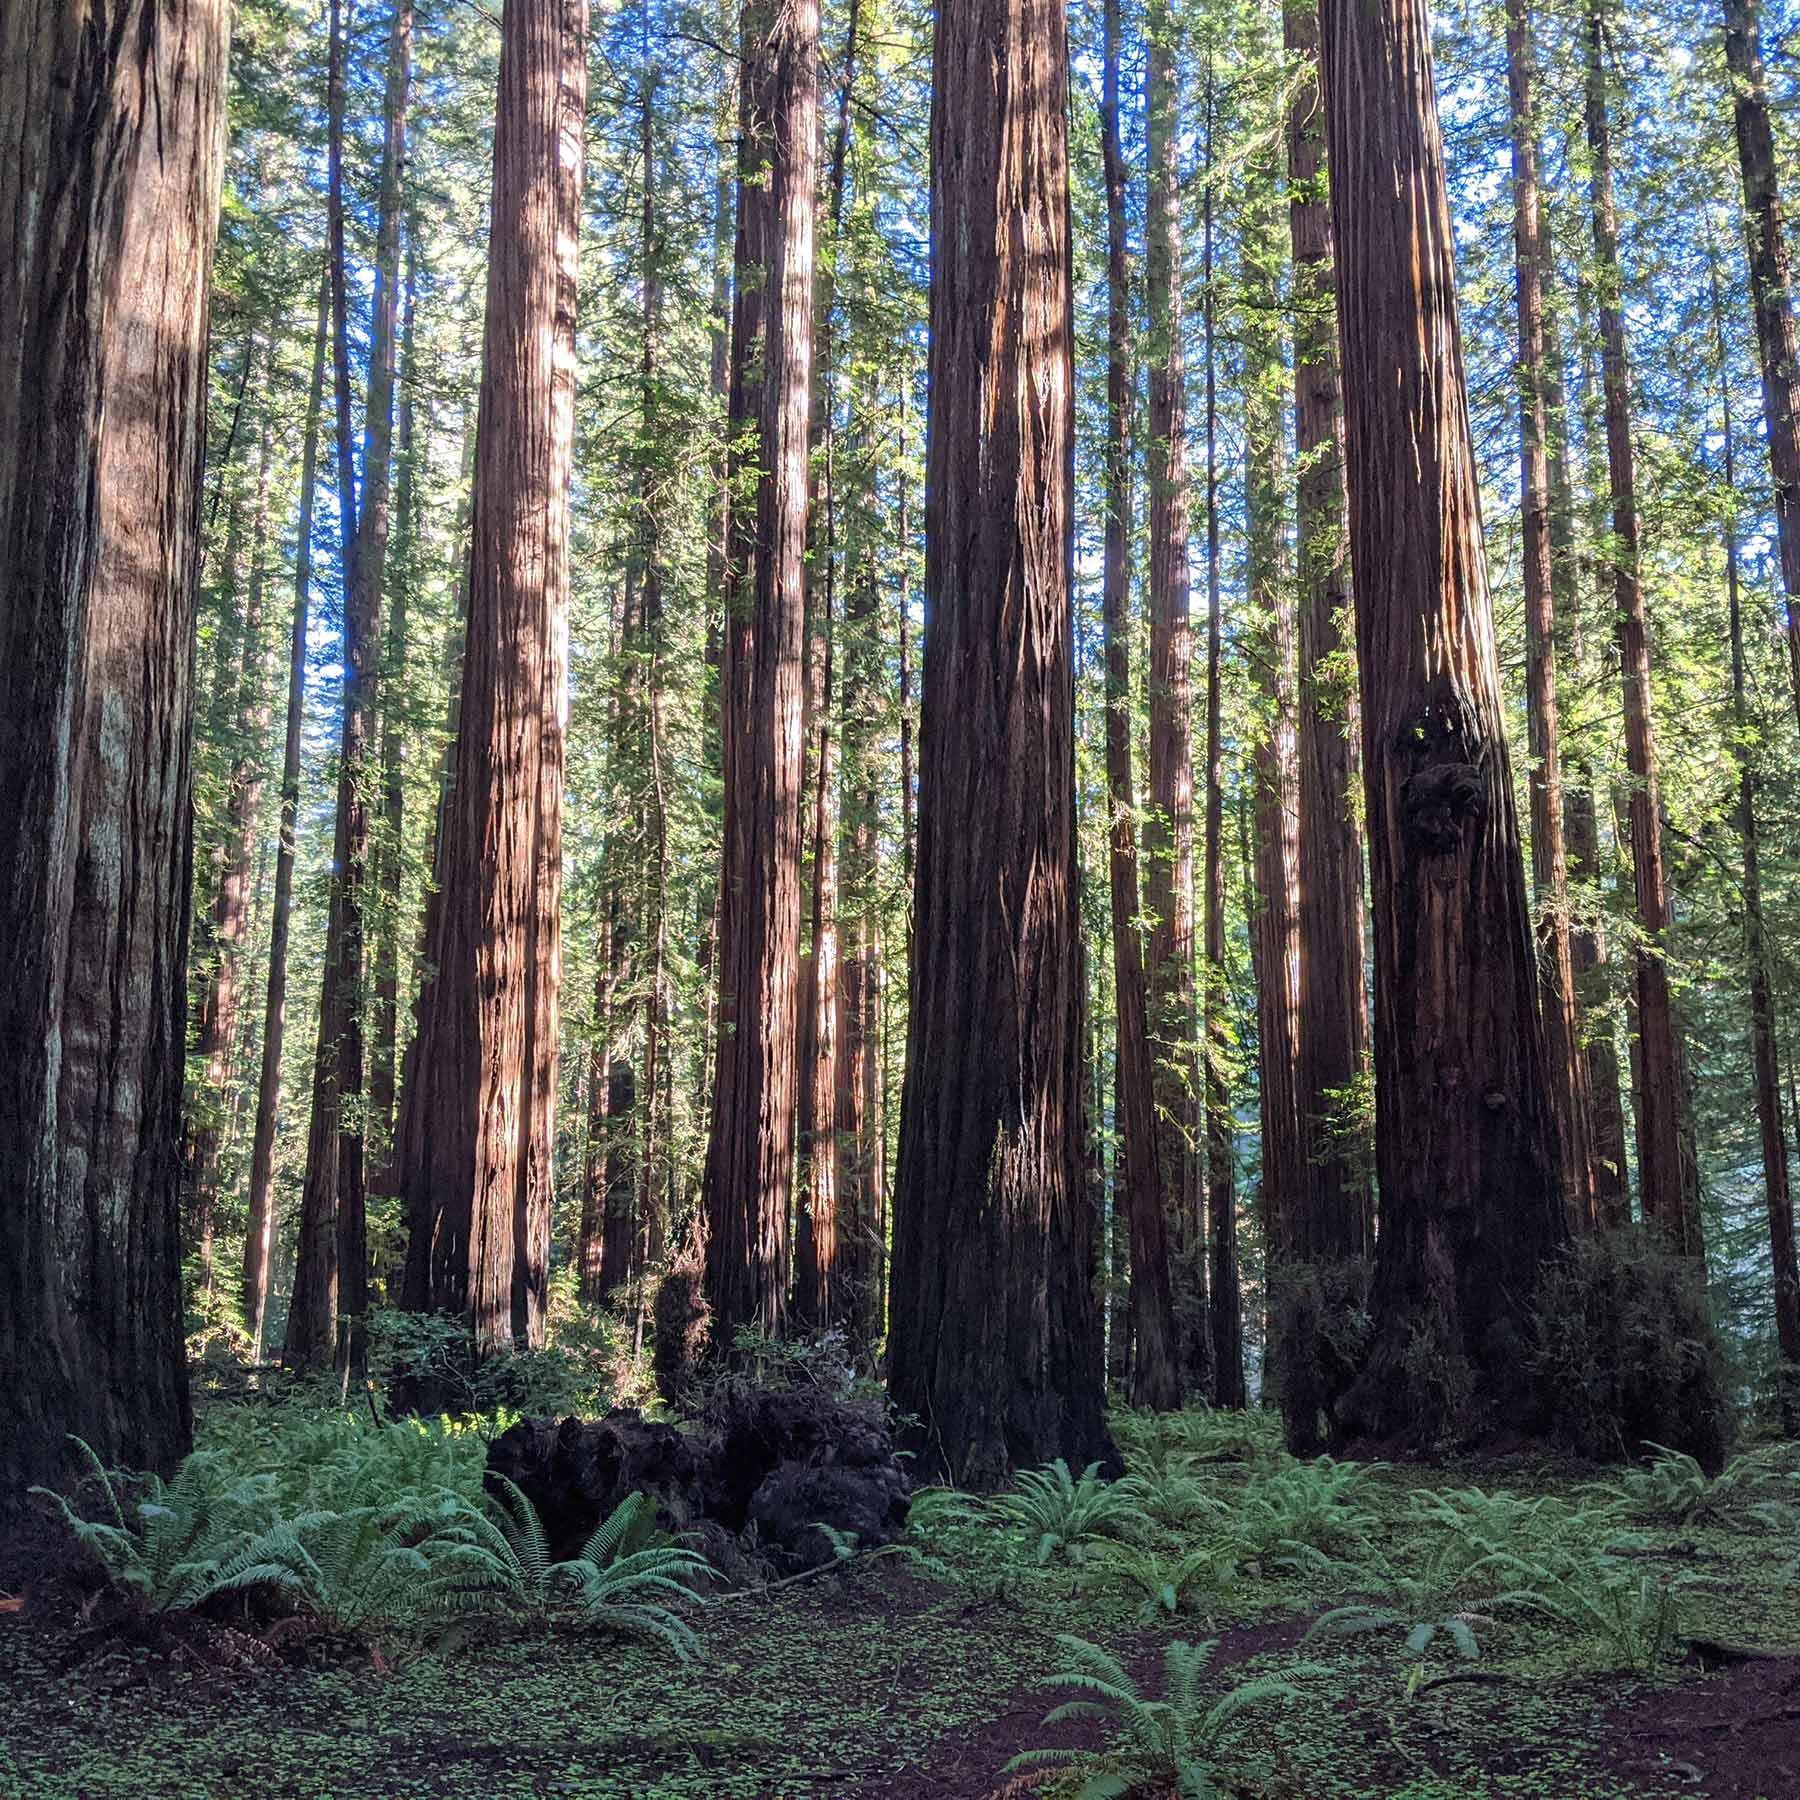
column 1753, row 1489
column 428, row 1364
column 1635, row 1615
column 1067, row 1513
column 168, row 1545
column 1301, row 1515
column 1181, row 1744
column 1625, row 1352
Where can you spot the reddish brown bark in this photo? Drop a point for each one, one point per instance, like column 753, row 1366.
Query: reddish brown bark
column 750, row 1152
column 260, row 1232
column 1549, row 857
column 1466, row 1143
column 1169, row 824
column 1765, row 1052
column 1667, row 1178
column 1771, row 296
column 473, row 1155
column 110, row 160
column 1138, row 1185
column 1335, row 1217
column 995, row 1340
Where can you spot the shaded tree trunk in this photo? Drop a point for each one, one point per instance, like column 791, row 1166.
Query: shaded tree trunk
column 259, row 1235
column 110, row 162
column 1138, row 1184
column 1466, row 1144
column 1668, row 1180
column 1765, row 1053
column 1169, row 825
column 750, row 1152
column 473, row 1164
column 1335, row 1217
column 1549, row 858
column 1771, row 297
column 995, row 1341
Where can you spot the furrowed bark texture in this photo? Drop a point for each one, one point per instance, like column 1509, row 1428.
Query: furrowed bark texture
column 1156, row 1374
column 995, row 1342
column 1336, row 1216
column 110, row 160
column 1466, row 1142
column 473, row 1167
column 750, row 1153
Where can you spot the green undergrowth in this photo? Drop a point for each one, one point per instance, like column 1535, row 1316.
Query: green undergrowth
column 1459, row 1632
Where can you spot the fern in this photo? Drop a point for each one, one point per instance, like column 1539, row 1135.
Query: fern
column 1169, row 1583
column 167, row 1544
column 1179, row 1744
column 1752, row 1488
column 1297, row 1516
column 1635, row 1616
column 1068, row 1513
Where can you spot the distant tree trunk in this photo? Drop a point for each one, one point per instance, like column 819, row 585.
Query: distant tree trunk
column 750, row 1154
column 1274, row 911
column 390, row 858
column 1138, row 1185
column 995, row 1339
column 1668, row 1180
column 260, row 1233
column 1763, row 1041
column 909, row 794
column 1466, row 1142
column 1771, row 296
column 618, row 1181
column 1221, row 1134
column 108, row 201
column 1335, row 1218
column 474, row 1145
column 216, row 1036
column 818, row 1245
column 1549, row 858
column 1169, row 825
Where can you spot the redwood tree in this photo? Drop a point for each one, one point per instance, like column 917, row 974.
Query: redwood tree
column 995, row 1343
column 1138, row 1186
column 109, row 186
column 474, row 1141
column 750, row 1152
column 1668, row 1183
column 1466, row 1141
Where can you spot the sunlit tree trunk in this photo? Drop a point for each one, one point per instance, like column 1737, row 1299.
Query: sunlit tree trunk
column 111, row 148
column 1466, row 1142
column 750, row 1153
column 473, row 1161
column 995, row 1342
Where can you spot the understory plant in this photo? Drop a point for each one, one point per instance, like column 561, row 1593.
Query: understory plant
column 1181, row 1744
column 1756, row 1488
column 1635, row 1614
column 1299, row 1516
column 1067, row 1514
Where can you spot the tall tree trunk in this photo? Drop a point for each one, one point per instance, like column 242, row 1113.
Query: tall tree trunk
column 1138, row 1187
column 1274, row 923
column 473, row 1162
column 1466, row 1143
column 1668, row 1181
column 1335, row 1218
column 390, row 858
column 259, row 1235
column 216, row 1037
column 110, row 160
column 750, row 1153
column 1221, row 1134
column 1549, row 858
column 1169, row 826
column 1772, row 297
column 995, row 1340
column 1765, row 1053
column 818, row 1247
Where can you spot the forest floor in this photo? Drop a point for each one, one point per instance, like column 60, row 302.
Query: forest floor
column 923, row 1674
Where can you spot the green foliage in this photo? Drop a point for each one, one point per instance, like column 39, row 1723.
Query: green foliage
column 1626, row 1353
column 1202, row 1434
column 1636, row 1614
column 428, row 1360
column 1497, row 1529
column 1180, row 1744
column 1299, row 1515
column 1171, row 1582
column 1320, row 1330
column 1756, row 1488
column 1065, row 1513
column 168, row 1545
